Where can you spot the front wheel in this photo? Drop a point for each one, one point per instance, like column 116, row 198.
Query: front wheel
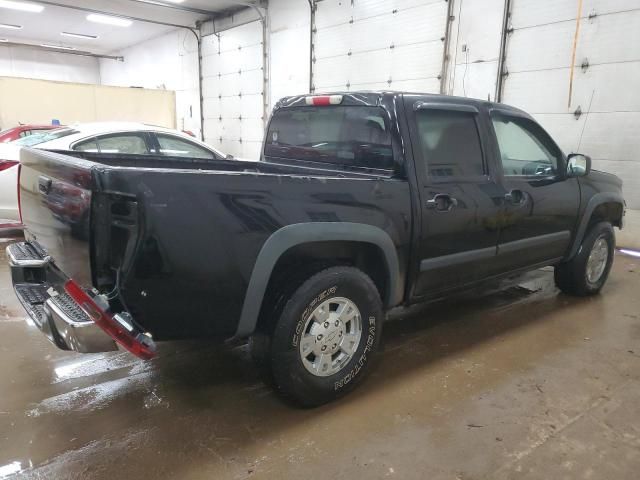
column 586, row 273
column 324, row 339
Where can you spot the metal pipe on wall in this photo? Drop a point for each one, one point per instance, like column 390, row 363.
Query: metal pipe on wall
column 312, row 21
column 503, row 51
column 445, row 54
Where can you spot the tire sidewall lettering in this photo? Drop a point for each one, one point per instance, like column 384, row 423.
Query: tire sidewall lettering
column 344, row 381
column 307, row 311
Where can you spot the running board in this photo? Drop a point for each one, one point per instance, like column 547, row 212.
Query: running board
column 24, row 254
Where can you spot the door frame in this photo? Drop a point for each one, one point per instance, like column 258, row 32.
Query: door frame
column 412, row 104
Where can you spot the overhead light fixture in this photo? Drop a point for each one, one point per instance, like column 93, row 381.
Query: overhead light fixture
column 22, row 6
column 11, row 26
column 3, row 40
column 59, row 47
column 79, row 35
column 109, row 20
column 174, row 1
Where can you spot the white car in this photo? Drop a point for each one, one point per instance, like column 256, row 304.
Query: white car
column 103, row 137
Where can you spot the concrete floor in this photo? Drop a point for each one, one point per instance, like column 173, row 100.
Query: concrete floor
column 519, row 383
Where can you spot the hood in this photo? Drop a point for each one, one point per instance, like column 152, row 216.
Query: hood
column 601, row 177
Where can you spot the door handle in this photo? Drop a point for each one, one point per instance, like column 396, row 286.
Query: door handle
column 515, row 197
column 442, row 202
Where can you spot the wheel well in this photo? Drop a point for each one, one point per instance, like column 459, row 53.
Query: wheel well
column 302, row 261
column 607, row 212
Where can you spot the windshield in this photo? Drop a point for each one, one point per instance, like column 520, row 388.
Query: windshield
column 342, row 135
column 45, row 136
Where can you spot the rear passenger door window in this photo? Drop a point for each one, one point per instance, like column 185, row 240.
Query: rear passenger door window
column 87, row 146
column 178, row 147
column 449, row 143
column 127, row 143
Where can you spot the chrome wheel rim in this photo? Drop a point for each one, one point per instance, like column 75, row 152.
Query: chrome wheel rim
column 597, row 260
column 331, row 336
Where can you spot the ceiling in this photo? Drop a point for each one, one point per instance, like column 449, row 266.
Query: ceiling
column 46, row 26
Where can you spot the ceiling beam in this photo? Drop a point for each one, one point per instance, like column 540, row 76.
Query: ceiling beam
column 81, row 53
column 176, row 6
column 111, row 14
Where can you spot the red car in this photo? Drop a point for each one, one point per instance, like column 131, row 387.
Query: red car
column 20, row 131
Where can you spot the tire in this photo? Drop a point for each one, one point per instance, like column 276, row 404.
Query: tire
column 320, row 317
column 574, row 277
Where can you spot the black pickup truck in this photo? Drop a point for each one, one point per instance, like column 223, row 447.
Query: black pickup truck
column 361, row 202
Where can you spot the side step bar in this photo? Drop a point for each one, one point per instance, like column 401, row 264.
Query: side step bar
column 25, row 254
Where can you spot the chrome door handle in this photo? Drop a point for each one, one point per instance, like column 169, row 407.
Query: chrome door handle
column 515, row 197
column 442, row 202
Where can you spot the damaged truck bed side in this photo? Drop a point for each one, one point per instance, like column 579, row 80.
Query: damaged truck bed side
column 362, row 202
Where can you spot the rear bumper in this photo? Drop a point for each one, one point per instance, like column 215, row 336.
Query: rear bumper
column 39, row 286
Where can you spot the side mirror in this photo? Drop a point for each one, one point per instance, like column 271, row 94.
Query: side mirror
column 578, row 165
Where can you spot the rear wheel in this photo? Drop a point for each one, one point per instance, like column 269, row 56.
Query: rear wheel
column 324, row 339
column 586, row 273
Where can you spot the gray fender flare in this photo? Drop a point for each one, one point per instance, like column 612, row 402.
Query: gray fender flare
column 594, row 202
column 291, row 235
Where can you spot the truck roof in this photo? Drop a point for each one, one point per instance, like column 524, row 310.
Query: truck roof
column 374, row 98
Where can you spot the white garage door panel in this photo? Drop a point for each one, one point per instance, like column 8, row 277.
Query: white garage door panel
column 600, row 41
column 540, row 48
column 371, row 42
column 371, row 8
column 545, row 91
column 421, row 24
column 397, row 65
column 564, row 128
column 334, row 12
column 612, row 136
column 329, row 73
column 246, row 83
column 617, row 87
column 548, row 91
column 418, row 86
column 610, row 39
column 251, row 109
column 537, row 12
column 233, row 90
column 241, row 36
column 628, row 172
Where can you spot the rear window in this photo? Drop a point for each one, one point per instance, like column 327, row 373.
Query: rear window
column 44, row 136
column 353, row 136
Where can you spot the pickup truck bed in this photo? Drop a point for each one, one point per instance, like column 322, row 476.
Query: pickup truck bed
column 184, row 241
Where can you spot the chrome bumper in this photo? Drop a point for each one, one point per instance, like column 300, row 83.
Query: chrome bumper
column 38, row 285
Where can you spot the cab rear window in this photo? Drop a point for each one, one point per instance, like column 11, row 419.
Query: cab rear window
column 355, row 136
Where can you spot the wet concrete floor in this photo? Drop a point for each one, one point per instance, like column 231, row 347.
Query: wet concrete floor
column 516, row 383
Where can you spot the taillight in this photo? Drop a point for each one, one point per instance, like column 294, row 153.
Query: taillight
column 116, row 326
column 323, row 100
column 5, row 164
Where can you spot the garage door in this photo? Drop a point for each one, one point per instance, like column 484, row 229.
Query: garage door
column 599, row 112
column 379, row 44
column 233, row 90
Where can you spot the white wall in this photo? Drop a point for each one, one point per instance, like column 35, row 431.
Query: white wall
column 474, row 48
column 167, row 62
column 47, row 65
column 289, row 48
